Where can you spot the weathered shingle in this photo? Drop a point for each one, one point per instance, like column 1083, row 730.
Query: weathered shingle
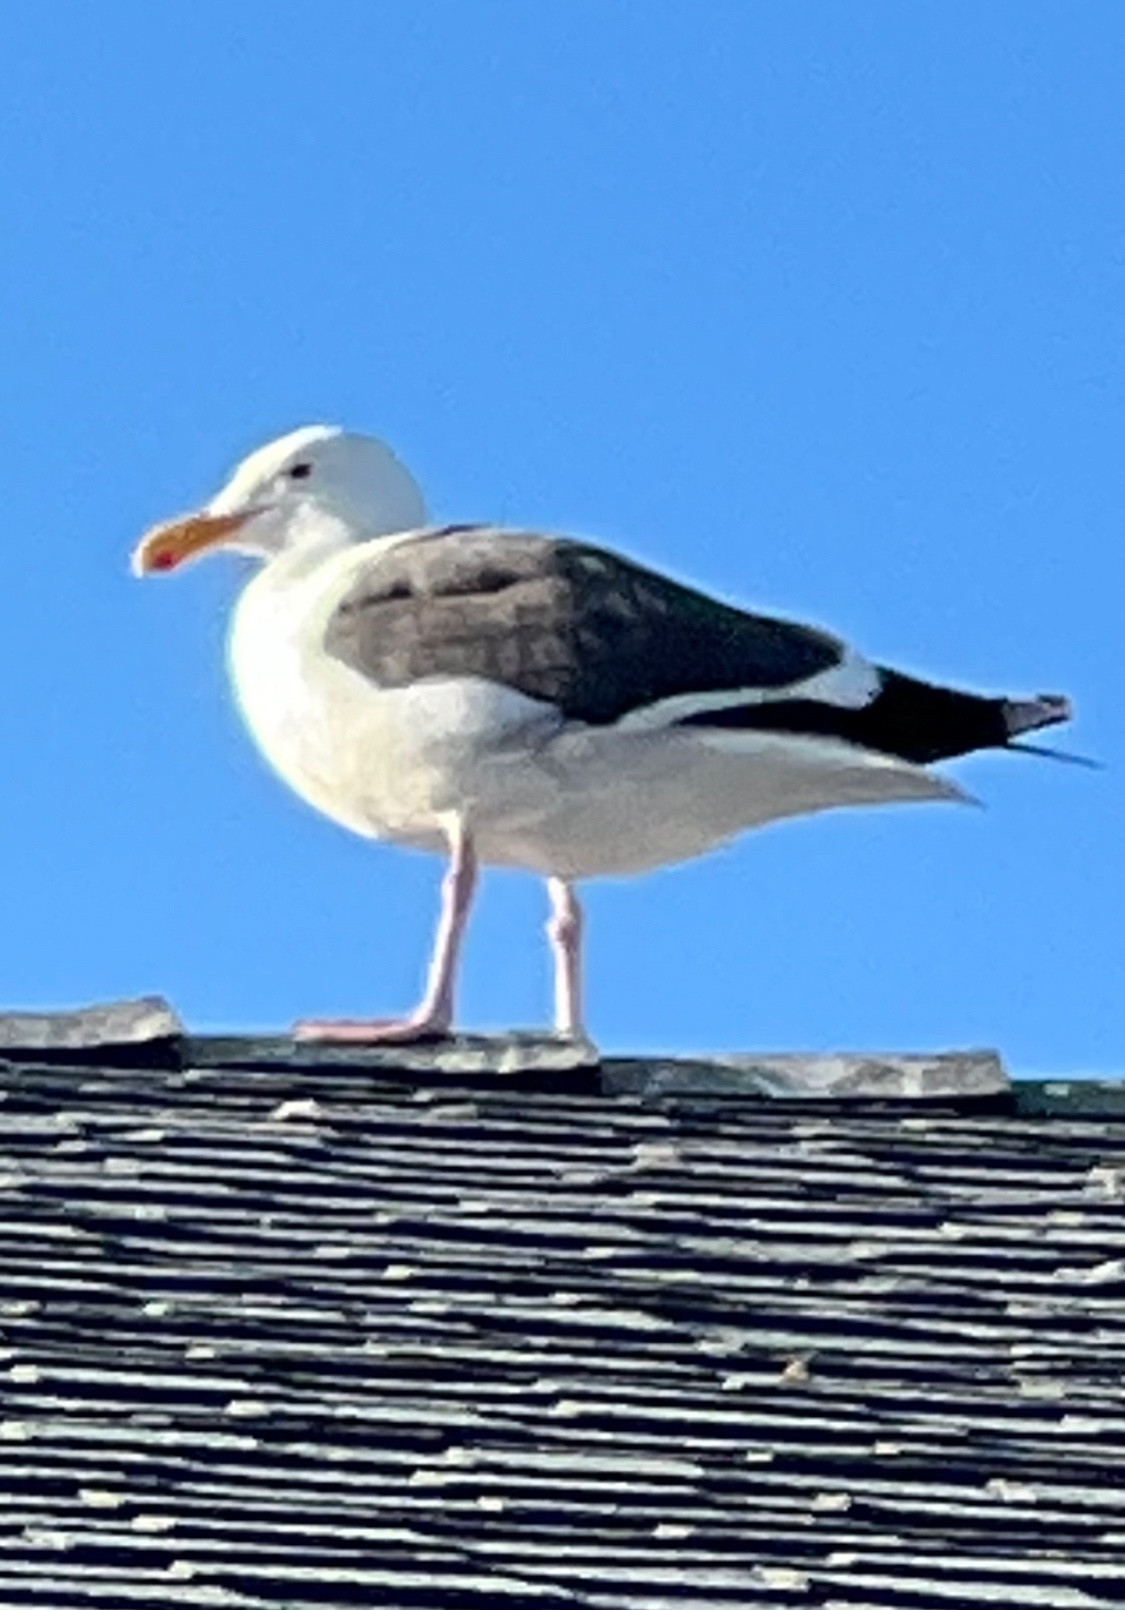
column 324, row 1335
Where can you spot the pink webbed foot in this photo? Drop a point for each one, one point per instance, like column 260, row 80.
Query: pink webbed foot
column 432, row 1019
column 371, row 1031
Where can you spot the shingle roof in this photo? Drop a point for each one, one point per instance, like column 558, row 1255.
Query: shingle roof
column 333, row 1334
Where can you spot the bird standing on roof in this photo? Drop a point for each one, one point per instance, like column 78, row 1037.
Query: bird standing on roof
column 515, row 699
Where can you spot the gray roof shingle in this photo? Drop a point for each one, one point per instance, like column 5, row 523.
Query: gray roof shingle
column 288, row 1332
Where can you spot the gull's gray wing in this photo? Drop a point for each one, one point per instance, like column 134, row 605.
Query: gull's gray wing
column 601, row 638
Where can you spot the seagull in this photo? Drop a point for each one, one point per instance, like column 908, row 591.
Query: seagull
column 512, row 698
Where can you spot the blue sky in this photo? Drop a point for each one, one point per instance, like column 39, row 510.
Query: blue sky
column 820, row 306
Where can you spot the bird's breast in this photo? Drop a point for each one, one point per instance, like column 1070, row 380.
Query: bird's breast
column 387, row 763
column 311, row 724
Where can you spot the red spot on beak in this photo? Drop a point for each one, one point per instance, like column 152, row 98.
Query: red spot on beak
column 163, row 561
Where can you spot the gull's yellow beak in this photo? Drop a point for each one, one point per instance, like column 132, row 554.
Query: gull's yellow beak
column 167, row 546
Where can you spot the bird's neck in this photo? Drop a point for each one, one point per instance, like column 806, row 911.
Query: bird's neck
column 309, row 543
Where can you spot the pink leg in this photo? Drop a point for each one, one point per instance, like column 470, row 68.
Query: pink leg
column 433, row 1017
column 564, row 930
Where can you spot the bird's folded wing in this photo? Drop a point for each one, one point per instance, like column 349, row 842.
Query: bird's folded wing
column 602, row 639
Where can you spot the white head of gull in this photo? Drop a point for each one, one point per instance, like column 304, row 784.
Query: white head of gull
column 315, row 486
column 520, row 699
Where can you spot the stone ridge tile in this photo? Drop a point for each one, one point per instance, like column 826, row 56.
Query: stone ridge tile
column 149, row 1025
column 609, row 1353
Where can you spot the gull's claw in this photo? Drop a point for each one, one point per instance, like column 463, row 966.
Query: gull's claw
column 371, row 1031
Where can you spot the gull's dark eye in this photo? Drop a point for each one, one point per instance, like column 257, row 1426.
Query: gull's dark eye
column 300, row 472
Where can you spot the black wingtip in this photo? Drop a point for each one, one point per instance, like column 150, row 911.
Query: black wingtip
column 1048, row 710
column 1027, row 715
column 1058, row 754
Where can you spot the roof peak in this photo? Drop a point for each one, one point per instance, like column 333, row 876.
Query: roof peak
column 149, row 1032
